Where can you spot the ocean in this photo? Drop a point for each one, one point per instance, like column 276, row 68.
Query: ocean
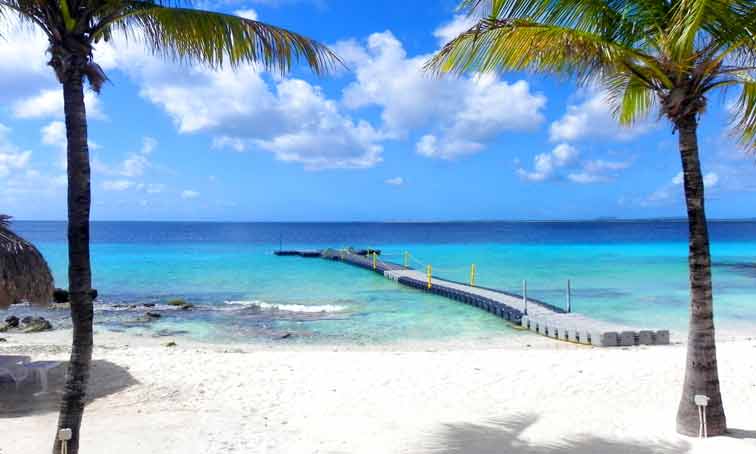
column 630, row 272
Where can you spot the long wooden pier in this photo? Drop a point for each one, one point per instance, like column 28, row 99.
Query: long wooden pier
column 537, row 316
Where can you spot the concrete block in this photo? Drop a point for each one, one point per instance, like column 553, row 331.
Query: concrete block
column 627, row 338
column 662, row 337
column 646, row 338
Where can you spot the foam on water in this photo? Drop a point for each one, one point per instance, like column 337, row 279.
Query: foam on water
column 302, row 308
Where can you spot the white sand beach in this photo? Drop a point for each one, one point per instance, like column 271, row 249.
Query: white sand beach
column 532, row 395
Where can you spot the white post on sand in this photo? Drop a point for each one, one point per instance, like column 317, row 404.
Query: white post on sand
column 569, row 296
column 64, row 435
column 525, row 296
column 701, row 402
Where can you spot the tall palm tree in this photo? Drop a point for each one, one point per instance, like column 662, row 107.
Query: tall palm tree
column 166, row 27
column 669, row 55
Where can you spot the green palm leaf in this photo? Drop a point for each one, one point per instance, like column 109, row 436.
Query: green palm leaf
column 216, row 38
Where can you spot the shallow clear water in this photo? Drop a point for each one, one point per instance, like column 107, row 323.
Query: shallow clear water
column 628, row 272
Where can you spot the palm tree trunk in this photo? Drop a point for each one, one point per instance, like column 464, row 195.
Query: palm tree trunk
column 701, row 375
column 79, row 270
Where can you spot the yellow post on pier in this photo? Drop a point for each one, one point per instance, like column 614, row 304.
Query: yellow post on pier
column 430, row 274
column 472, row 275
column 374, row 259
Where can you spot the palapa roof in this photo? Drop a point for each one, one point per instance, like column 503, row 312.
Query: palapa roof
column 24, row 274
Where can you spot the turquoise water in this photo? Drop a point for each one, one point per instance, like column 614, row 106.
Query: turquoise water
column 242, row 292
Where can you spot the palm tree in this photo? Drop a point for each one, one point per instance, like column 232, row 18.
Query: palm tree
column 648, row 54
column 73, row 27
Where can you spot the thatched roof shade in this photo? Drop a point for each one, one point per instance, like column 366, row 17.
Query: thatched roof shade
column 24, row 274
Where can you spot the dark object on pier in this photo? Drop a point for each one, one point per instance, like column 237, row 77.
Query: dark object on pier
column 366, row 252
column 24, row 274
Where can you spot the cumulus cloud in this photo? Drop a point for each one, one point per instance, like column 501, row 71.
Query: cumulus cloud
column 396, row 181
column 49, row 103
column 563, row 162
column 12, row 159
column 458, row 115
column 290, row 118
column 189, row 194
column 592, row 117
column 545, row 165
column 29, row 84
column 21, row 182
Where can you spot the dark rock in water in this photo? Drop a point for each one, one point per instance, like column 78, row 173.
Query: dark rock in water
column 170, row 344
column 119, row 306
column 148, row 304
column 12, row 321
column 286, row 336
column 153, row 315
column 132, row 306
column 177, row 302
column 170, row 332
column 61, row 296
column 186, row 306
column 2, row 339
column 35, row 324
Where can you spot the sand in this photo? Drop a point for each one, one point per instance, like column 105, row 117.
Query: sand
column 530, row 395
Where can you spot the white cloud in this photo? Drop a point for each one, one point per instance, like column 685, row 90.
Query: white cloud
column 460, row 24
column 24, row 70
column 117, row 185
column 592, row 118
column 136, row 163
column 189, row 194
column 598, row 171
column 12, row 159
column 563, row 162
column 396, row 181
column 54, row 134
column 545, row 165
column 49, row 103
column 293, row 119
column 459, row 115
column 246, row 13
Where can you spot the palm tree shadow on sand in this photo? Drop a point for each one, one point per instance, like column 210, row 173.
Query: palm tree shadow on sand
column 106, row 378
column 504, row 436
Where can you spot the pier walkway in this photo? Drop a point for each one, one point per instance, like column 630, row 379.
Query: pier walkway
column 537, row 316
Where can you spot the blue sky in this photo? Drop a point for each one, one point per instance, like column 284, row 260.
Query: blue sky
column 381, row 141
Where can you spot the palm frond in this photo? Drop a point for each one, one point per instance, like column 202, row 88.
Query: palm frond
column 4, row 221
column 215, row 39
column 522, row 45
column 630, row 96
column 744, row 119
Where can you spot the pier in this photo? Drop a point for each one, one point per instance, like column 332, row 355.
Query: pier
column 531, row 314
